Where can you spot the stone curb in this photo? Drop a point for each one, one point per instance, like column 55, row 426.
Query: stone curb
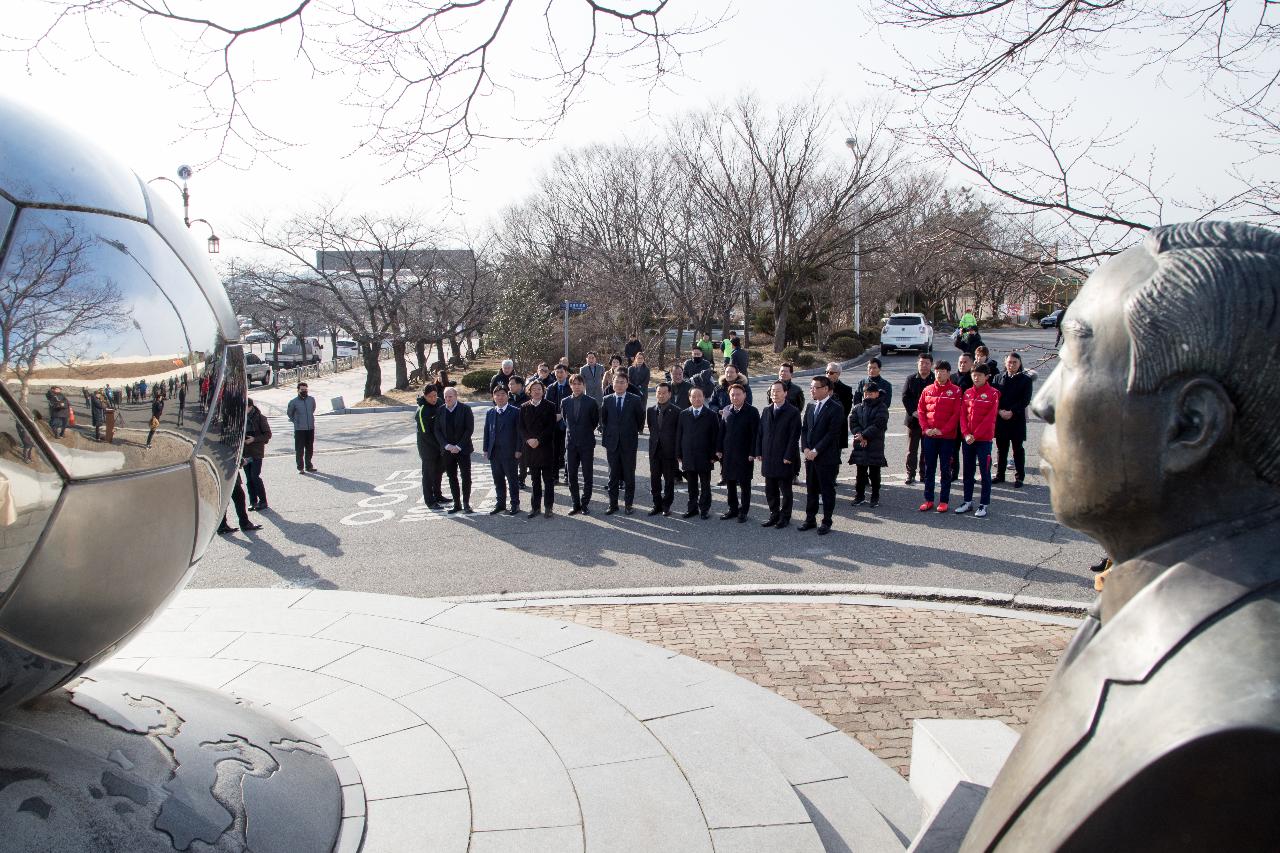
column 975, row 602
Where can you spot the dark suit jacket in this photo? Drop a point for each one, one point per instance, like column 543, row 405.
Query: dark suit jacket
column 680, row 393
column 663, row 423
column 456, row 428
column 621, row 430
column 823, row 433
column 741, row 360
column 737, row 442
column 795, row 395
column 501, row 432
column 696, row 439
column 537, row 420
column 581, row 417
column 778, row 439
column 555, row 395
column 1159, row 731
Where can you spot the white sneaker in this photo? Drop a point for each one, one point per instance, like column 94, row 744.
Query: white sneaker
column 981, row 513
column 964, row 507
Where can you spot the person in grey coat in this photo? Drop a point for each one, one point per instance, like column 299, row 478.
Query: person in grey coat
column 302, row 414
column 778, row 449
column 592, row 373
column 868, row 422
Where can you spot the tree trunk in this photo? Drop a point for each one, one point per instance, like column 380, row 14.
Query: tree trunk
column 440, row 351
column 369, row 352
column 680, row 341
column 746, row 315
column 420, row 353
column 471, row 342
column 662, row 345
column 454, row 348
column 780, row 326
column 398, row 348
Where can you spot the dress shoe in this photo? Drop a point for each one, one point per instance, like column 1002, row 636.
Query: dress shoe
column 629, row 509
column 824, row 528
column 706, row 515
column 998, row 478
column 547, row 513
column 742, row 519
column 586, row 510
column 1017, row 484
column 783, row 523
column 875, row 502
column 655, row 511
column 770, row 522
column 497, row 509
column 911, row 480
column 455, row 509
column 251, row 527
column 859, row 500
column 689, row 514
column 666, row 511
column 611, row 510
column 227, row 528
column 515, row 510
column 466, row 509
column 312, row 468
column 533, row 514
column 574, row 511
column 808, row 525
column 725, row 516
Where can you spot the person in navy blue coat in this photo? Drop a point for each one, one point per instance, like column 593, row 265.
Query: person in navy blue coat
column 621, row 420
column 663, row 420
column 736, row 448
column 580, row 415
column 778, row 449
column 820, row 435
column 697, row 432
column 502, row 449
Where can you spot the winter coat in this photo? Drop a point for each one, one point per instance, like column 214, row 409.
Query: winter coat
column 720, row 399
column 939, row 409
column 844, row 396
column 740, row 359
column 978, row 414
column 692, row 367
column 663, row 421
column 737, row 443
column 795, row 395
column 58, row 405
column 424, row 424
column 968, row 341
column 537, row 420
column 696, row 439
column 885, row 386
column 97, row 411
column 871, row 420
column 911, row 391
column 706, row 380
column 256, row 427
column 1015, row 395
column 778, row 439
column 301, row 412
column 638, row 375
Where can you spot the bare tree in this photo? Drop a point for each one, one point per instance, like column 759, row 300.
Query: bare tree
column 52, row 303
column 425, row 71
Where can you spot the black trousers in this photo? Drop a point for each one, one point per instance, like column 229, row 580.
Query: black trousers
column 505, row 479
column 913, row 446
column 955, row 459
column 304, row 442
column 867, row 473
column 622, row 475
column 820, row 481
column 1003, row 443
column 253, row 480
column 662, row 480
column 455, row 463
column 699, row 490
column 237, row 499
column 560, row 436
column 739, row 496
column 432, row 471
column 580, row 459
column 544, row 485
column 779, row 493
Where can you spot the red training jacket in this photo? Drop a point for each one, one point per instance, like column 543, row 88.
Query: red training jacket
column 978, row 414
column 939, row 408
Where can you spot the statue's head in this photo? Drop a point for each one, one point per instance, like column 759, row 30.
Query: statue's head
column 1161, row 415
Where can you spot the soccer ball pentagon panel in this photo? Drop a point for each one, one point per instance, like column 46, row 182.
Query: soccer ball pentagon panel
column 110, row 486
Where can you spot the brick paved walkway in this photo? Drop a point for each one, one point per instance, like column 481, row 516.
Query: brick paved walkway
column 867, row 670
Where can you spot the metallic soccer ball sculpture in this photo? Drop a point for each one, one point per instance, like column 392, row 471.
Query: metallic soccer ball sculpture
column 101, row 522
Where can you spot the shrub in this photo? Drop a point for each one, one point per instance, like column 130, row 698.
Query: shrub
column 842, row 333
column 806, row 359
column 762, row 321
column 845, row 348
column 870, row 337
column 755, row 356
column 790, row 353
column 477, row 380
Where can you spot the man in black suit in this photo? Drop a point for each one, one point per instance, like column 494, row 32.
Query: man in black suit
column 820, row 441
column 736, row 449
column 621, row 420
column 696, row 438
column 795, row 394
column 843, row 395
column 580, row 416
column 502, row 449
column 680, row 387
column 778, row 449
column 454, row 426
column 557, row 392
column 696, row 363
column 663, row 421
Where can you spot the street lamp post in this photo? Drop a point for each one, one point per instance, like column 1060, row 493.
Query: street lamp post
column 184, row 173
column 857, row 254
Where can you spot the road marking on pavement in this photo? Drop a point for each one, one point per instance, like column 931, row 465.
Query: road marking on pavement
column 395, row 492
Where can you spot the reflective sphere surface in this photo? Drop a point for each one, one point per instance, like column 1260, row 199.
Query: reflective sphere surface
column 121, row 403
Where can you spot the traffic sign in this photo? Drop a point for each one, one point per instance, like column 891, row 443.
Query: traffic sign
column 576, row 306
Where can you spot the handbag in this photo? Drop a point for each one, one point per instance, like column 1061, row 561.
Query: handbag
column 155, row 422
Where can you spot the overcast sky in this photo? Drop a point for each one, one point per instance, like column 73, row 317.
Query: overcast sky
column 780, row 51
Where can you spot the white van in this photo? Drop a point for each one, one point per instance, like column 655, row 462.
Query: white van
column 346, row 349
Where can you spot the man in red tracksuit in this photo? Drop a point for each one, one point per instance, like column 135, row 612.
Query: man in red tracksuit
column 977, row 431
column 939, row 414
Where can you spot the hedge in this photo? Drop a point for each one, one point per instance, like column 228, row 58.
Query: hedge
column 845, row 348
column 476, row 380
column 790, row 353
column 806, row 359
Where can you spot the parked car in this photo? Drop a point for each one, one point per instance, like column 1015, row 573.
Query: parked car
column 346, row 349
column 257, row 338
column 1052, row 319
column 295, row 353
column 256, row 370
column 906, row 331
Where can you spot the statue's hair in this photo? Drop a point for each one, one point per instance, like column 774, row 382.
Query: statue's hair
column 1212, row 308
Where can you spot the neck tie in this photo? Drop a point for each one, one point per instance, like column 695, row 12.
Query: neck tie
column 697, row 412
column 619, row 405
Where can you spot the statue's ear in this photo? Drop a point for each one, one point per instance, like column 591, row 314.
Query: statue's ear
column 1202, row 421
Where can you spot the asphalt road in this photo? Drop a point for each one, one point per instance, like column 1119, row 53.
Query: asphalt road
column 358, row 524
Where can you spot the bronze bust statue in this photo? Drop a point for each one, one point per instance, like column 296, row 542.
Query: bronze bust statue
column 1160, row 729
